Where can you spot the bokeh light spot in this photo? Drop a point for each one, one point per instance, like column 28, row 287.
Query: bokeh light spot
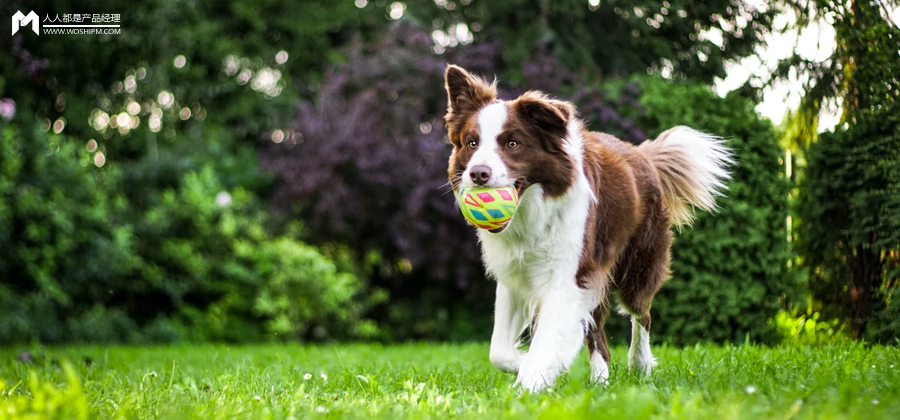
column 59, row 125
column 130, row 84
column 223, row 199
column 397, row 10
column 231, row 65
column 99, row 159
column 166, row 99
column 244, row 77
column 123, row 120
column 281, row 57
column 277, row 136
column 155, row 124
column 134, row 108
column 99, row 120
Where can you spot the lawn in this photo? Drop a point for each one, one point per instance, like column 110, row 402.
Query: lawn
column 847, row 381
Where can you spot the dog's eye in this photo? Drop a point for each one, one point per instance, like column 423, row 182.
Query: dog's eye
column 512, row 144
column 472, row 144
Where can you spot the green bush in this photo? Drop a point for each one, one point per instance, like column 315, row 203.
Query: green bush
column 730, row 269
column 232, row 281
column 301, row 289
column 83, row 261
column 60, row 249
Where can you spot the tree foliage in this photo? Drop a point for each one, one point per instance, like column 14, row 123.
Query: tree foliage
column 611, row 37
column 848, row 206
column 850, row 231
column 861, row 72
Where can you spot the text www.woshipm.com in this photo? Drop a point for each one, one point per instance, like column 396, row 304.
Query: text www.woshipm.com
column 82, row 31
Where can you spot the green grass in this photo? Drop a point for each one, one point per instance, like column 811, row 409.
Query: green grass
column 425, row 380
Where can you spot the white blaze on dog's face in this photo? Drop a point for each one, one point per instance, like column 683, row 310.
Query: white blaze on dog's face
column 486, row 158
column 506, row 143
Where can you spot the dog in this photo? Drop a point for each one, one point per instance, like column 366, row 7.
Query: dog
column 594, row 219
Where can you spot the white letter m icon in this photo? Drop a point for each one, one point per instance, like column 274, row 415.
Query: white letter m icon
column 19, row 20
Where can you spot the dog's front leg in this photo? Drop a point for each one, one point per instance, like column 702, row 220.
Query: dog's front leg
column 509, row 321
column 562, row 319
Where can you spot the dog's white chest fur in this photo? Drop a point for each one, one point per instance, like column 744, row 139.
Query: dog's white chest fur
column 546, row 235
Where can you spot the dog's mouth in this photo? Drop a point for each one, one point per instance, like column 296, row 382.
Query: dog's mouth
column 520, row 186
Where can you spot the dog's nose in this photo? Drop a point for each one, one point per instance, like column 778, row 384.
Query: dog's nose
column 480, row 174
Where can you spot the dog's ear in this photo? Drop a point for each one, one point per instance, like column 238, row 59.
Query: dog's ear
column 550, row 116
column 465, row 92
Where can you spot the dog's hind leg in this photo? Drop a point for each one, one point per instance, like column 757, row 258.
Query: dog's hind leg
column 647, row 270
column 599, row 350
column 639, row 355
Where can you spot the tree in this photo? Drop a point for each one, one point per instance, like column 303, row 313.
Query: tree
column 848, row 236
column 176, row 68
column 850, row 230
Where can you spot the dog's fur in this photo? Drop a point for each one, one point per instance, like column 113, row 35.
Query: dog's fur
column 594, row 219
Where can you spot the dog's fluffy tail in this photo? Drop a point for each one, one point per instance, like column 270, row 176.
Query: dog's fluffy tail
column 692, row 168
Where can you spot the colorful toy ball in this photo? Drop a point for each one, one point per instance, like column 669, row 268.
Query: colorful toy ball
column 489, row 208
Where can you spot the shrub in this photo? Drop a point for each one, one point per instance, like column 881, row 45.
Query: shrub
column 731, row 268
column 62, row 248
column 83, row 261
column 302, row 289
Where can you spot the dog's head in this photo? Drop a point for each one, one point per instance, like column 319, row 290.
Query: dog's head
column 498, row 143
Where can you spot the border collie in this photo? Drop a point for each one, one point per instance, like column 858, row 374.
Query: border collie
column 594, row 219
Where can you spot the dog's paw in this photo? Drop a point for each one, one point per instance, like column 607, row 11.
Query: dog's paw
column 599, row 369
column 534, row 376
column 648, row 366
column 644, row 365
column 507, row 361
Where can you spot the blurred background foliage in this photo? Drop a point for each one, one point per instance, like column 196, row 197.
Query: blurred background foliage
column 265, row 170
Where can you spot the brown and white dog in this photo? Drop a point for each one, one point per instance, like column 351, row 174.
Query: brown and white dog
column 594, row 219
